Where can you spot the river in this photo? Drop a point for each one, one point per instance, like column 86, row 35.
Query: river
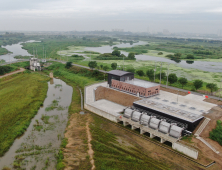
column 16, row 49
column 201, row 65
column 42, row 139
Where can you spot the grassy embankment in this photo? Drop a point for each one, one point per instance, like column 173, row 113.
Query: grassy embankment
column 110, row 153
column 13, row 67
column 21, row 95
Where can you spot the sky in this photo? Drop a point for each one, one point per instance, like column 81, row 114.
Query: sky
column 194, row 16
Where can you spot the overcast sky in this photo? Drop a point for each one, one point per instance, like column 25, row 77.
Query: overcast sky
column 200, row 16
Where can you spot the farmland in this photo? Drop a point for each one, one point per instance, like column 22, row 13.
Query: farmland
column 20, row 100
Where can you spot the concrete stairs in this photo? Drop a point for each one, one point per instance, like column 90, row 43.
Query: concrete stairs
column 202, row 126
column 206, row 143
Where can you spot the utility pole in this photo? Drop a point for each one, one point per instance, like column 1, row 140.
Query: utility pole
column 154, row 72
column 160, row 71
column 167, row 75
column 43, row 52
column 123, row 62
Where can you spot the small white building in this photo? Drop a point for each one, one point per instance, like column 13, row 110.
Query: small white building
column 35, row 64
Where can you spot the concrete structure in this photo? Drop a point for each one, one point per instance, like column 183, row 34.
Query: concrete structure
column 51, row 75
column 193, row 153
column 185, row 111
column 125, row 81
column 35, row 64
column 112, row 111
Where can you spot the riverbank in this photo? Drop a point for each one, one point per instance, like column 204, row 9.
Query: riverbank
column 15, row 115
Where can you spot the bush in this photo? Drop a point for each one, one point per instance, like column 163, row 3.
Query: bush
column 172, row 78
column 160, row 53
column 216, row 134
column 92, row 64
column 150, row 74
column 132, row 70
column 163, row 75
column 140, row 72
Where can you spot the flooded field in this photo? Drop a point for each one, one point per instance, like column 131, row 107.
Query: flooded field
column 39, row 146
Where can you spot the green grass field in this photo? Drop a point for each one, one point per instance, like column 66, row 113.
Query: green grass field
column 21, row 95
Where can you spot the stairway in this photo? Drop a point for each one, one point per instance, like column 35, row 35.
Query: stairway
column 206, row 143
column 202, row 126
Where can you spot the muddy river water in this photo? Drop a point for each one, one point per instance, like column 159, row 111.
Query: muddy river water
column 37, row 148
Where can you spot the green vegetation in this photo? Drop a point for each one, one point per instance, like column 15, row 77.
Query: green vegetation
column 54, row 43
column 6, row 69
column 212, row 87
column 115, row 55
column 188, row 48
column 216, row 134
column 183, row 81
column 172, row 78
column 110, row 154
column 92, row 64
column 114, row 66
column 68, row 64
column 140, row 72
column 198, row 84
column 20, row 100
column 3, row 51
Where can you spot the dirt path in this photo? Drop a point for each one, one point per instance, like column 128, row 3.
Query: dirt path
column 14, row 72
column 90, row 151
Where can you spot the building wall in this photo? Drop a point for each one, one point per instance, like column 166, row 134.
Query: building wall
column 193, row 153
column 115, row 96
column 124, row 86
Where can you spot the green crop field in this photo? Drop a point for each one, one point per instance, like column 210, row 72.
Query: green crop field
column 21, row 95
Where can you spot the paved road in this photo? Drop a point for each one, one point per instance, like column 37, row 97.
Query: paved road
column 14, row 72
column 170, row 87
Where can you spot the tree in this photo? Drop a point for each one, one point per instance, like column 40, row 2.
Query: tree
column 172, row 78
column 101, row 66
column 212, row 87
column 198, row 84
column 160, row 53
column 105, row 68
column 140, row 72
column 116, row 53
column 150, row 74
column 177, row 55
column 190, row 56
column 114, row 66
column 122, row 56
column 182, row 81
column 132, row 70
column 68, row 64
column 163, row 75
column 131, row 56
column 92, row 64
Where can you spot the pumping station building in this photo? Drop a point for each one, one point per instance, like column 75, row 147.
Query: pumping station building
column 142, row 105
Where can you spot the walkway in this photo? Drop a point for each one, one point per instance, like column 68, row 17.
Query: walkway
column 14, row 72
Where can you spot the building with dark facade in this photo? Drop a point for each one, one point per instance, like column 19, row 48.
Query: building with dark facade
column 126, row 82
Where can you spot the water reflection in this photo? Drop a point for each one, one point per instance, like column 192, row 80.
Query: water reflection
column 189, row 62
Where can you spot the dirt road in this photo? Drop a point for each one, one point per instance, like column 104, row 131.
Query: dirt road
column 14, row 72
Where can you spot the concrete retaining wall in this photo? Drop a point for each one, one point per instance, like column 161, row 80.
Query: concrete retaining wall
column 185, row 150
column 100, row 112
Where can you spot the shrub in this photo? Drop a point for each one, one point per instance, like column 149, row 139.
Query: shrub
column 150, row 74
column 160, row 53
column 132, row 70
column 215, row 134
column 140, row 72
